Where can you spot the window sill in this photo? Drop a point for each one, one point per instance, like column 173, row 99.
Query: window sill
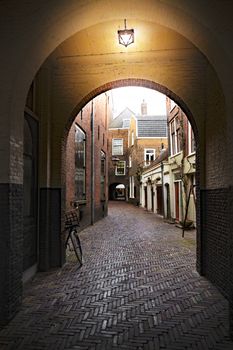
column 176, row 154
column 191, row 154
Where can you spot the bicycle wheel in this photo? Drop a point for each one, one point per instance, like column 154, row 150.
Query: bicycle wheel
column 76, row 245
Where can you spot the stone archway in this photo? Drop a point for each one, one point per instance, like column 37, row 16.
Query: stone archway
column 198, row 79
column 158, row 87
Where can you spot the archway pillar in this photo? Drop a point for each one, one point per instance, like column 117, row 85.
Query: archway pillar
column 230, row 272
column 51, row 253
column 11, row 215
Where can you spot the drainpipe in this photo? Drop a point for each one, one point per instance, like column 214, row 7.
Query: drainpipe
column 92, row 165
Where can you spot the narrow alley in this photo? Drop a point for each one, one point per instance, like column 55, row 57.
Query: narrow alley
column 138, row 289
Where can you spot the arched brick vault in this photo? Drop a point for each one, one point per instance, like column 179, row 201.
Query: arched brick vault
column 186, row 80
column 38, row 35
column 68, row 18
column 186, row 77
column 32, row 31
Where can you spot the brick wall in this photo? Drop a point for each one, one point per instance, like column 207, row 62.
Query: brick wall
column 112, row 178
column 181, row 74
column 11, row 250
column 215, row 237
column 83, row 120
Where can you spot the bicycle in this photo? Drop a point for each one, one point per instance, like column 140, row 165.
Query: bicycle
column 72, row 223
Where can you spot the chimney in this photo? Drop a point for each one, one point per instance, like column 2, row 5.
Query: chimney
column 144, row 108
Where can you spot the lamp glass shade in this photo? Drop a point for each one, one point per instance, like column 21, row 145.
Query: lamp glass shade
column 126, row 37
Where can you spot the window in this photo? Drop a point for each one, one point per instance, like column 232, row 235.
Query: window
column 175, row 136
column 131, row 187
column 173, row 104
column 178, row 135
column 149, row 155
column 80, row 164
column 120, row 168
column 102, row 175
column 191, row 140
column 117, row 147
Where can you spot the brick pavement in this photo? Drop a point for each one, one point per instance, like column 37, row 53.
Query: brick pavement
column 138, row 289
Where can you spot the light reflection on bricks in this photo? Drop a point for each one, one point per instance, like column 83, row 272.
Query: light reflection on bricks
column 138, row 289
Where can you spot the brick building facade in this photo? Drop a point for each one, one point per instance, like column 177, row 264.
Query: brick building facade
column 182, row 163
column 168, row 184
column 87, row 183
column 118, row 137
column 147, row 137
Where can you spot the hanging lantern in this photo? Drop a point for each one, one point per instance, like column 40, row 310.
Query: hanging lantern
column 126, row 36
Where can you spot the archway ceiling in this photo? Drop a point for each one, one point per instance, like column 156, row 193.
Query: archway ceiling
column 101, row 39
column 35, row 29
column 93, row 57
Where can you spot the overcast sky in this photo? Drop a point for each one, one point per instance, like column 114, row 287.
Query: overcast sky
column 132, row 98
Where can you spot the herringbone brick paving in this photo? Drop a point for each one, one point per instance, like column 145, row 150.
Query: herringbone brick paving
column 138, row 289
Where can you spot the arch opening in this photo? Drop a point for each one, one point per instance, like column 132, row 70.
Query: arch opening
column 190, row 76
column 162, row 205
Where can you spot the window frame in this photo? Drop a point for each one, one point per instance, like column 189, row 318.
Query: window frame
column 145, row 153
column 122, row 146
column 102, row 175
column 116, row 167
column 83, row 166
column 191, row 140
column 173, row 105
column 174, row 134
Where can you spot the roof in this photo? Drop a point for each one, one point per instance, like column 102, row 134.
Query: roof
column 152, row 126
column 122, row 120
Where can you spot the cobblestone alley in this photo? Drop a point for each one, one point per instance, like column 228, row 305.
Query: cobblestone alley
column 137, row 289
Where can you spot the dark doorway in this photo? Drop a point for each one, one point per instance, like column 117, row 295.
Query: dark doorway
column 177, row 200
column 168, row 209
column 30, row 196
column 159, row 200
column 152, row 199
column 117, row 192
column 145, row 194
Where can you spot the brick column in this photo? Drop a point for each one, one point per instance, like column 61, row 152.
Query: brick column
column 11, row 248
column 51, row 247
column 11, row 216
column 230, row 214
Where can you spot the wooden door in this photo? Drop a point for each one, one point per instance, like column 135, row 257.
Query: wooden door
column 152, row 199
column 145, row 192
column 177, row 200
column 159, row 190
